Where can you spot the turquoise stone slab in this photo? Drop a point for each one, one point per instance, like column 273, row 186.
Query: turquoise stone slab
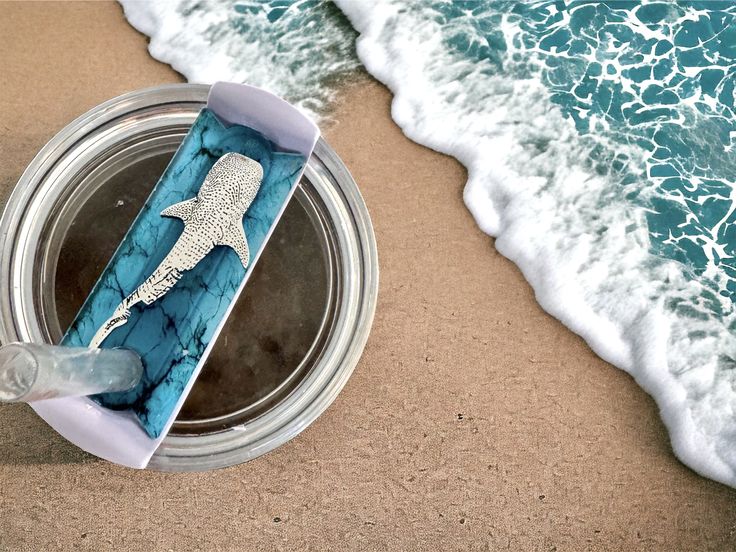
column 172, row 334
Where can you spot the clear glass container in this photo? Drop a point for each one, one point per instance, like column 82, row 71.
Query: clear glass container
column 296, row 332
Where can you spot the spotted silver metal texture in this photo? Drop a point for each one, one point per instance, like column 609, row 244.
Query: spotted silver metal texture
column 214, row 217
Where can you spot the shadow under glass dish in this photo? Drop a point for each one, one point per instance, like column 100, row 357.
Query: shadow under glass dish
column 277, row 323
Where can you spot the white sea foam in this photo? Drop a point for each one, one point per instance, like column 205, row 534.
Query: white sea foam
column 584, row 248
column 211, row 40
column 580, row 244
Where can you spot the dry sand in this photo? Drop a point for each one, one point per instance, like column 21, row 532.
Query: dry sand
column 473, row 421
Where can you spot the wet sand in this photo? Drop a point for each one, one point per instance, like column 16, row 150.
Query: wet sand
column 474, row 420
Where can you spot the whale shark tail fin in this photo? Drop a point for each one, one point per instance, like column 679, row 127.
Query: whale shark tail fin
column 235, row 238
column 182, row 210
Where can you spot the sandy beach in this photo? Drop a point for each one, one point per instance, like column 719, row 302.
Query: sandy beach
column 474, row 421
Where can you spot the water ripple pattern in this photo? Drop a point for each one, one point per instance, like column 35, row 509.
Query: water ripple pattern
column 599, row 140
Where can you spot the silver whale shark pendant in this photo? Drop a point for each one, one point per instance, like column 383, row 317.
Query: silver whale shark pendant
column 214, row 217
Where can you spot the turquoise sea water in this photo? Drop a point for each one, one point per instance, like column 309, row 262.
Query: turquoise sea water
column 659, row 77
column 598, row 138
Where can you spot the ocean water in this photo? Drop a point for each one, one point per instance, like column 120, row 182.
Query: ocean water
column 599, row 140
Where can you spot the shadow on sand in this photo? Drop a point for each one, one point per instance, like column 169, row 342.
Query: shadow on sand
column 27, row 439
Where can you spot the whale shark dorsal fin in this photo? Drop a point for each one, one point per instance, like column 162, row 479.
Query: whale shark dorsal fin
column 182, row 210
column 235, row 237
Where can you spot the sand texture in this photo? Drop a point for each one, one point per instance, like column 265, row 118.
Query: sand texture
column 474, row 420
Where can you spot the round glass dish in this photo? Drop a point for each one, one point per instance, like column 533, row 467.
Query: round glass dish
column 296, row 332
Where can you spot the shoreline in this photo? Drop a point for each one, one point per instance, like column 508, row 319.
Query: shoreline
column 473, row 418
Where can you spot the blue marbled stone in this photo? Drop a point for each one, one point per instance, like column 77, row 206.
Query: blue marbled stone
column 172, row 333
